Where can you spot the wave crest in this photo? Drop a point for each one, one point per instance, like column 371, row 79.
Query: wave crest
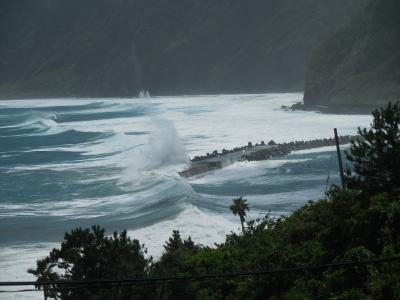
column 164, row 152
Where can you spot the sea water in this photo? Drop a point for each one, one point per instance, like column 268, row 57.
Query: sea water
column 66, row 163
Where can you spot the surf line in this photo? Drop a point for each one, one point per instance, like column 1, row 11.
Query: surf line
column 218, row 160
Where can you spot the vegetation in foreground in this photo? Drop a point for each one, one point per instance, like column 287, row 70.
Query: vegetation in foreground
column 357, row 223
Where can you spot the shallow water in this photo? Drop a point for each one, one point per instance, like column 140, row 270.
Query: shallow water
column 76, row 162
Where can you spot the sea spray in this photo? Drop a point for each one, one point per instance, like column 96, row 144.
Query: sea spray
column 163, row 151
column 165, row 147
column 203, row 227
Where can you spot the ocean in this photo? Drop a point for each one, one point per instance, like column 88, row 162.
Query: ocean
column 67, row 163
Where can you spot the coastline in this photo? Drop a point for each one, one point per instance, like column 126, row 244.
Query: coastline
column 299, row 106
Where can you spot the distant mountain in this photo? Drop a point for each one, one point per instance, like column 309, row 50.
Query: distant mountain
column 359, row 66
column 119, row 47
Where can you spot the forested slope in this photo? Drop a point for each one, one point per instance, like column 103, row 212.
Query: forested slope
column 117, row 48
column 359, row 65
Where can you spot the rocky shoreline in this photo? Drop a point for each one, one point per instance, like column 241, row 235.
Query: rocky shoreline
column 325, row 109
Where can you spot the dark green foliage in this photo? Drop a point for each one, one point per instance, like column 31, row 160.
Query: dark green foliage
column 118, row 47
column 375, row 155
column 86, row 254
column 359, row 65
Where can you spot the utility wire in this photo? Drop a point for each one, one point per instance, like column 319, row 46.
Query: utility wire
column 99, row 283
column 20, row 291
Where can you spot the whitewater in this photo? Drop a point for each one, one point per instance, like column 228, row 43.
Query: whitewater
column 66, row 163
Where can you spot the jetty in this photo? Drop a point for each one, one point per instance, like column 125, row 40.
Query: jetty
column 262, row 151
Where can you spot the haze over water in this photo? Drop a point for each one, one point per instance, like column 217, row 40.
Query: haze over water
column 77, row 162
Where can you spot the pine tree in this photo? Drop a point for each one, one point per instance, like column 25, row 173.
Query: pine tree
column 375, row 154
column 90, row 255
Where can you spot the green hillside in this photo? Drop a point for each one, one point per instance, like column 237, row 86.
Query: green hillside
column 359, row 66
column 116, row 48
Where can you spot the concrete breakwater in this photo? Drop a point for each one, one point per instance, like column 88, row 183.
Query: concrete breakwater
column 218, row 160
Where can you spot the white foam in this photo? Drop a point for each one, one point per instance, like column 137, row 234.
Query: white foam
column 245, row 171
column 45, row 122
column 14, row 263
column 235, row 120
column 320, row 149
column 147, row 191
column 223, row 121
column 203, row 228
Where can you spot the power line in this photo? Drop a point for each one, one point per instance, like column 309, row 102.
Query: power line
column 20, row 291
column 99, row 283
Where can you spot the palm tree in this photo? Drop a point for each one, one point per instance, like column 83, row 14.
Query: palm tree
column 239, row 208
